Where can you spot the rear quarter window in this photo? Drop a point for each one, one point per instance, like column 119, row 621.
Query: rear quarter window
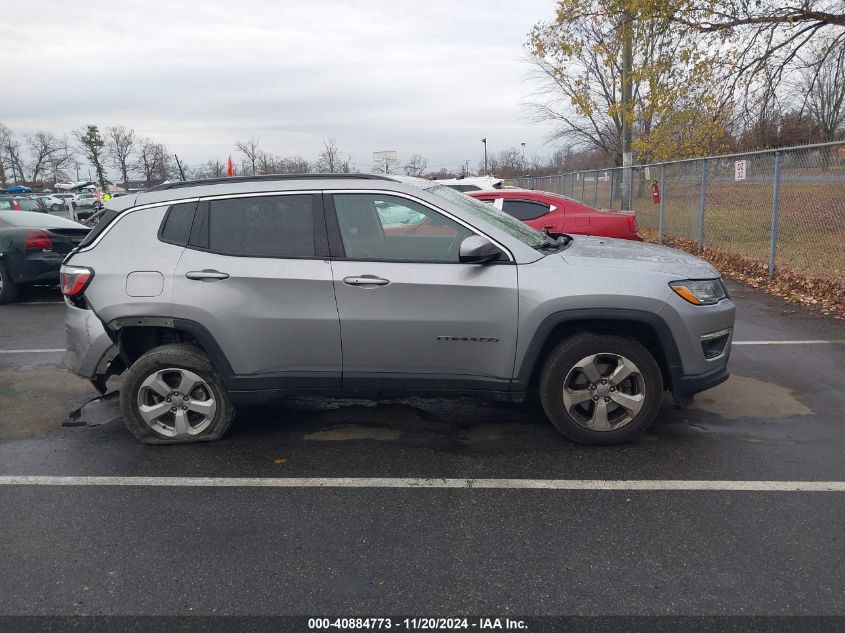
column 176, row 226
column 524, row 209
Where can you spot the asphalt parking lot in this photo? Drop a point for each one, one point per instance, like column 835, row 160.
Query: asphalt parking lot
column 409, row 521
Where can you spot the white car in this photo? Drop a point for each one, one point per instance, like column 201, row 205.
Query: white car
column 51, row 201
column 477, row 183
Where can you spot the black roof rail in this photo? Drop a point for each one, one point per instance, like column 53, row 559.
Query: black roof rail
column 231, row 179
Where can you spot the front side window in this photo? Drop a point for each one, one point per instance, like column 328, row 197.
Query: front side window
column 385, row 227
column 491, row 214
column 261, row 226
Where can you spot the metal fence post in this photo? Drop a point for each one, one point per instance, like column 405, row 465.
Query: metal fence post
column 775, row 211
column 596, row 190
column 610, row 196
column 633, row 171
column 704, row 168
column 583, row 184
column 662, row 204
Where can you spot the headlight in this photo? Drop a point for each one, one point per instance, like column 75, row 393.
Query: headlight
column 700, row 291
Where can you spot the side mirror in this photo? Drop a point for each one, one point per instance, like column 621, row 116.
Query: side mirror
column 478, row 250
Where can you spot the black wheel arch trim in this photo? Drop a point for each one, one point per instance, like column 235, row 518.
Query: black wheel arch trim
column 197, row 331
column 541, row 336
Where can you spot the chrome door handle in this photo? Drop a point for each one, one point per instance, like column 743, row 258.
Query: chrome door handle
column 365, row 280
column 206, row 275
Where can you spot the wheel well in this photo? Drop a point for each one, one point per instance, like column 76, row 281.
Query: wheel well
column 135, row 341
column 636, row 330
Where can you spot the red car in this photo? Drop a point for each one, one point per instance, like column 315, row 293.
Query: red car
column 558, row 214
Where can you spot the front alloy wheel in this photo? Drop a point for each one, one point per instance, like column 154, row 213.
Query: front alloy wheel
column 600, row 388
column 604, row 392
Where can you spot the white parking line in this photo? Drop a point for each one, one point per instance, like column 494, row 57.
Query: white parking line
column 813, row 342
column 31, row 351
column 396, row 482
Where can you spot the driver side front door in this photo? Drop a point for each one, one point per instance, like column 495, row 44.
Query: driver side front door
column 408, row 308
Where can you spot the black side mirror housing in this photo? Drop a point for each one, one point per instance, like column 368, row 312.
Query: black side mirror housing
column 479, row 250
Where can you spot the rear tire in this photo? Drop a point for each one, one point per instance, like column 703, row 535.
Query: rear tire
column 55, row 207
column 8, row 288
column 601, row 389
column 174, row 395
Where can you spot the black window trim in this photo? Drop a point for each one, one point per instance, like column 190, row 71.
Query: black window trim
column 321, row 245
column 337, row 252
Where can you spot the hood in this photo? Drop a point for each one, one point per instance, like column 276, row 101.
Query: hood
column 606, row 252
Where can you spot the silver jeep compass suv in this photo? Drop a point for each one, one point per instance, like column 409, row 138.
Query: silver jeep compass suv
column 208, row 294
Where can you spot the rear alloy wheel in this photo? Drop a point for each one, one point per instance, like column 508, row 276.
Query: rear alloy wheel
column 8, row 288
column 601, row 389
column 172, row 395
column 55, row 207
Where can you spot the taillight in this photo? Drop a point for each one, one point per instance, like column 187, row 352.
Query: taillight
column 16, row 205
column 38, row 241
column 75, row 279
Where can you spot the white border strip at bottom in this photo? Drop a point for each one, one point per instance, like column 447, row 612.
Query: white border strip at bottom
column 398, row 482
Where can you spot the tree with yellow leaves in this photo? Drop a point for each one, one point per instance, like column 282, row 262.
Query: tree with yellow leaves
column 678, row 107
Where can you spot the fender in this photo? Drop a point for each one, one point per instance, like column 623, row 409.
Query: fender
column 541, row 335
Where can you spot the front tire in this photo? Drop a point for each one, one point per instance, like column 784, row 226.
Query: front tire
column 8, row 288
column 174, row 395
column 601, row 389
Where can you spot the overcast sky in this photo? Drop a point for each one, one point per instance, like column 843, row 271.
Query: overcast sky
column 430, row 77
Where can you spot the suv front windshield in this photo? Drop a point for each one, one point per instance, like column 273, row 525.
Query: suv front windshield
column 487, row 212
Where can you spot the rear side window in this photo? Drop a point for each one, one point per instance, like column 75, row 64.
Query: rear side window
column 27, row 204
column 176, row 227
column 524, row 210
column 261, row 226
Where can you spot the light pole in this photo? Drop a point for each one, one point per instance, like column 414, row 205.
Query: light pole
column 484, row 140
column 523, row 158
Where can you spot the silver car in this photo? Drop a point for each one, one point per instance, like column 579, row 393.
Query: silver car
column 209, row 294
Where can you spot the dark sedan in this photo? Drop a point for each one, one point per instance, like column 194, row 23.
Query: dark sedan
column 32, row 247
column 20, row 203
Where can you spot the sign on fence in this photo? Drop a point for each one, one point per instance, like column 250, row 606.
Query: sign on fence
column 647, row 173
column 739, row 170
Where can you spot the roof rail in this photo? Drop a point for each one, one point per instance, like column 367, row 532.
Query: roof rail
column 232, row 179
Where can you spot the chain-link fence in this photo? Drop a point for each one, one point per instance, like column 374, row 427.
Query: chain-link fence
column 784, row 208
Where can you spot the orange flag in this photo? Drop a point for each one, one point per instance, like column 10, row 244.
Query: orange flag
column 230, row 167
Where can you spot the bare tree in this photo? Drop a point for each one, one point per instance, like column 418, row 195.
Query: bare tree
column 767, row 33
column 212, row 169
column 153, row 162
column 416, row 165
column 295, row 165
column 120, row 146
column 331, row 160
column 42, row 146
column 250, row 150
column 93, row 147
column 10, row 155
column 6, row 137
column 825, row 92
